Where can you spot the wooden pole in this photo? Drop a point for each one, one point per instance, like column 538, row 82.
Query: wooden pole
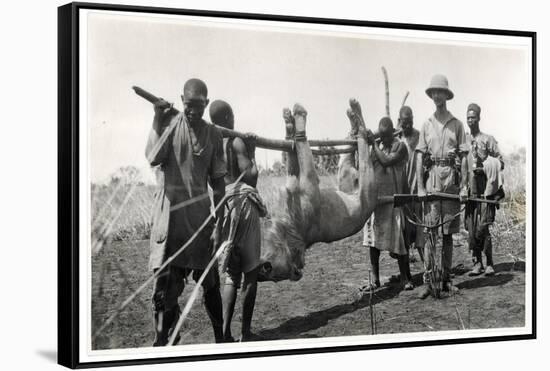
column 276, row 144
column 405, row 99
column 333, row 151
column 387, row 89
column 287, row 145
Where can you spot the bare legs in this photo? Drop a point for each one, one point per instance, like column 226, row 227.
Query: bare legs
column 250, row 286
column 213, row 305
column 229, row 298
column 375, row 266
column 248, row 292
column 404, row 269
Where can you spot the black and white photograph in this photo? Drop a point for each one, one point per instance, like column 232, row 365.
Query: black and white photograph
column 255, row 184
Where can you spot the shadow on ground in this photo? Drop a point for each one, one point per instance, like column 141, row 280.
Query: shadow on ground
column 497, row 280
column 296, row 327
column 510, row 266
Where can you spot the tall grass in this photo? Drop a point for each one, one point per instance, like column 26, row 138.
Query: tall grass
column 514, row 186
column 508, row 231
column 134, row 222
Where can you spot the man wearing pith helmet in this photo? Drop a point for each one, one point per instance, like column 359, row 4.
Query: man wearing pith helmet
column 443, row 143
column 189, row 152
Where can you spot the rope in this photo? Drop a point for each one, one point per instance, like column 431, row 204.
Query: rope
column 421, row 224
column 126, row 302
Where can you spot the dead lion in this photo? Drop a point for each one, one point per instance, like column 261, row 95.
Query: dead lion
column 312, row 214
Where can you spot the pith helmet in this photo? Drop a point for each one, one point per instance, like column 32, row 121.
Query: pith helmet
column 439, row 82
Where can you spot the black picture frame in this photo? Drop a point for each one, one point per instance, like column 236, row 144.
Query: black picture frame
column 68, row 181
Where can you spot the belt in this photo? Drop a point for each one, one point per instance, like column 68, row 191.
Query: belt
column 443, row 161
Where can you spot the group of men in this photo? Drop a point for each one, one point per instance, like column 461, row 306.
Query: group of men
column 440, row 157
column 192, row 154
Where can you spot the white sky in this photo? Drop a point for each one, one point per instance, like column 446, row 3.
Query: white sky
column 260, row 71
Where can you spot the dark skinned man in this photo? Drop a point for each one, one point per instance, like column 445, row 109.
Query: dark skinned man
column 241, row 229
column 189, row 153
column 389, row 167
column 410, row 136
column 484, row 181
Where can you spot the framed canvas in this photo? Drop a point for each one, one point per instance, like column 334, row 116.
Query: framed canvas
column 392, row 204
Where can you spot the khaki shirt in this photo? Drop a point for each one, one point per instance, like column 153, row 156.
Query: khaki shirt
column 182, row 203
column 439, row 138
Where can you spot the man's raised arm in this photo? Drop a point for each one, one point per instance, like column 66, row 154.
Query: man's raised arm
column 392, row 158
column 158, row 143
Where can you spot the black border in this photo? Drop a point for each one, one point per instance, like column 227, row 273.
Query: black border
column 68, row 180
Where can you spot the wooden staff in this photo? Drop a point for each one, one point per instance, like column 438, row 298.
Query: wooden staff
column 405, row 99
column 387, row 89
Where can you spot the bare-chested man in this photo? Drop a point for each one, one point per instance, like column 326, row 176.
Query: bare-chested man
column 242, row 229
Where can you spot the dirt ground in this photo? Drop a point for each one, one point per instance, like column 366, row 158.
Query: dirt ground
column 327, row 301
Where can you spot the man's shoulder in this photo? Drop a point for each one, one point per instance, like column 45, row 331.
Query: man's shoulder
column 238, row 145
column 429, row 120
column 455, row 120
column 213, row 129
column 488, row 137
column 426, row 125
column 415, row 134
column 482, row 138
column 398, row 145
